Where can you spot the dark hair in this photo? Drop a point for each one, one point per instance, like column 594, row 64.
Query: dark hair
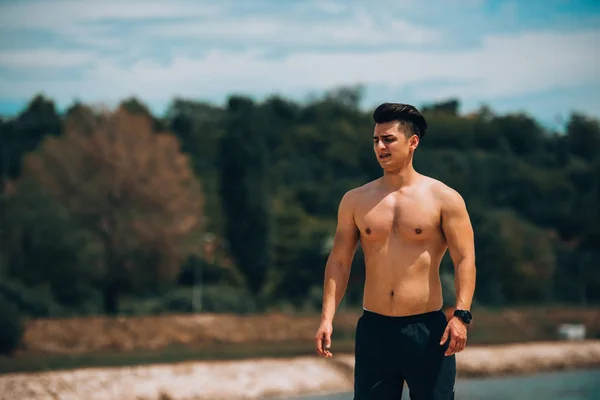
column 405, row 114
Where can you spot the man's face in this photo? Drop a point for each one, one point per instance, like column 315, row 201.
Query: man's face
column 392, row 147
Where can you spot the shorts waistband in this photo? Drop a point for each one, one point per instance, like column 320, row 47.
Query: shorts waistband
column 404, row 319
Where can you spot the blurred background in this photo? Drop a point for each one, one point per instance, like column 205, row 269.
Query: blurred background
column 170, row 174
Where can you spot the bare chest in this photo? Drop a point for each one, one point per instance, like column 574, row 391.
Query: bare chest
column 410, row 218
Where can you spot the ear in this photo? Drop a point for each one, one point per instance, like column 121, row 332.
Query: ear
column 413, row 142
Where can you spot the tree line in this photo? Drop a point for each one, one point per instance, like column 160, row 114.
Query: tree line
column 232, row 208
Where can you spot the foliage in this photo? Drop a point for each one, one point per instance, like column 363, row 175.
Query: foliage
column 131, row 189
column 30, row 300
column 24, row 133
column 111, row 202
column 244, row 190
column 37, row 255
column 11, row 327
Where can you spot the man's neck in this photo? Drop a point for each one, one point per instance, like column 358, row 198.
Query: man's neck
column 398, row 179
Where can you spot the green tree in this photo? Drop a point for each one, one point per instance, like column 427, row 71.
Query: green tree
column 11, row 327
column 299, row 256
column 583, row 136
column 199, row 127
column 450, row 106
column 244, row 190
column 44, row 245
column 24, row 133
column 272, row 174
column 135, row 106
column 130, row 187
column 448, row 130
column 523, row 134
column 516, row 259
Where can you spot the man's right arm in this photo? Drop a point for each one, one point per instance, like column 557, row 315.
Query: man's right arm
column 337, row 269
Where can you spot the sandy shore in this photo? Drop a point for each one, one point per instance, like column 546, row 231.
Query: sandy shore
column 263, row 378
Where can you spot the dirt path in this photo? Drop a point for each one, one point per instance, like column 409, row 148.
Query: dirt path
column 259, row 379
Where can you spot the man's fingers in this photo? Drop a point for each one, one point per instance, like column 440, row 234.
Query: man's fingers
column 327, row 345
column 319, row 340
column 445, row 335
column 456, row 346
column 323, row 342
column 451, row 347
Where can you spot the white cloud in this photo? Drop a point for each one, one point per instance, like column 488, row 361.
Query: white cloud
column 48, row 58
column 73, row 20
column 307, row 23
column 502, row 66
column 65, row 13
column 530, row 62
column 361, row 29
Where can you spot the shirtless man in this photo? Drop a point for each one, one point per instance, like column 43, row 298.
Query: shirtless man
column 405, row 222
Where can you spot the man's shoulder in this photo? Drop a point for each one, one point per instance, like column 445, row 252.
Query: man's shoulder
column 360, row 190
column 447, row 195
column 354, row 195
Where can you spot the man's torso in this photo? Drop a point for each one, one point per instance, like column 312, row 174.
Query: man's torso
column 403, row 243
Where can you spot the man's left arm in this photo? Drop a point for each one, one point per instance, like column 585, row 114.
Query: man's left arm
column 458, row 231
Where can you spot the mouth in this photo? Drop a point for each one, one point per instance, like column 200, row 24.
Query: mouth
column 384, row 156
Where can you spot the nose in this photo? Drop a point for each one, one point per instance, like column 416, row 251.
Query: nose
column 380, row 145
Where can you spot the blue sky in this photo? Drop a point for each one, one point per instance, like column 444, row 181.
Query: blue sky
column 541, row 57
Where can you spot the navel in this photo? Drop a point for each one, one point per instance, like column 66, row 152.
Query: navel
column 392, row 293
column 418, row 231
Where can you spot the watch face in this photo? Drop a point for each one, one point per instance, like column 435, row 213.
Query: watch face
column 464, row 315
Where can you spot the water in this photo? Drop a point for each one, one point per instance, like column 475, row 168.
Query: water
column 569, row 385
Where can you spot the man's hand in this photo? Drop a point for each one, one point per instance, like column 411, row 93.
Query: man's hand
column 323, row 339
column 456, row 330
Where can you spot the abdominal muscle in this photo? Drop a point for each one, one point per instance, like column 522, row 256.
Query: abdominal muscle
column 402, row 281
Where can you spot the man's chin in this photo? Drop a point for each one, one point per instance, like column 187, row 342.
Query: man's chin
column 389, row 167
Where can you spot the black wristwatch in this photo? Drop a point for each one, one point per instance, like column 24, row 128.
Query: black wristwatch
column 465, row 315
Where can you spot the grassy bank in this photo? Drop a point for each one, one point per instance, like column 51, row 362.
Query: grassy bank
column 170, row 354
column 51, row 344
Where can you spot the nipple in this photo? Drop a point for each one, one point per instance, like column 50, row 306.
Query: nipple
column 368, row 231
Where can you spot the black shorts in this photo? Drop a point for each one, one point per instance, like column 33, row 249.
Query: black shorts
column 392, row 350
